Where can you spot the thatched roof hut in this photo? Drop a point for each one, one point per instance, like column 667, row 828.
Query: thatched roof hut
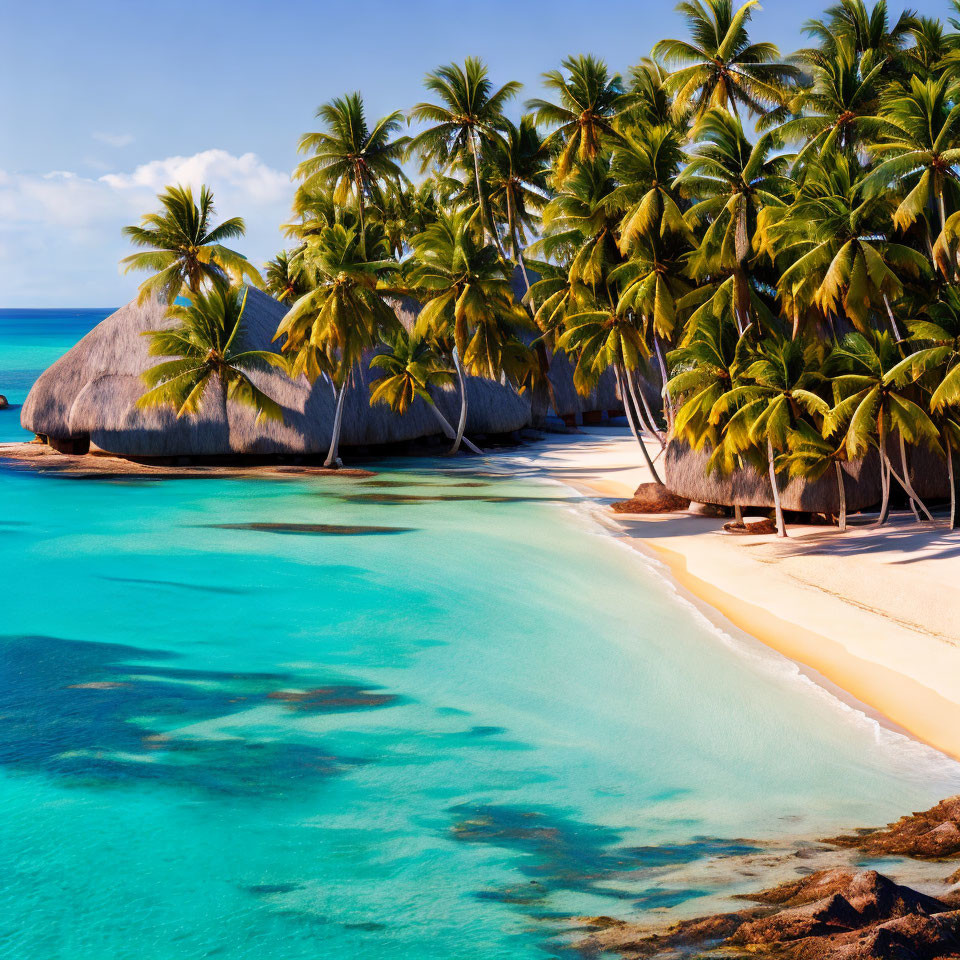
column 90, row 394
column 685, row 474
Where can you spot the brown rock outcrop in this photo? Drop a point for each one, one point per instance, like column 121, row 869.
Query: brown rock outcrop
column 652, row 498
column 932, row 834
column 830, row 915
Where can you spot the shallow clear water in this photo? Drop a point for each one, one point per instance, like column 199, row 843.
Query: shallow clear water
column 428, row 739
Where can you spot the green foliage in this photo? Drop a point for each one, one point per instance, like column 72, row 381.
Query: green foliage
column 207, row 351
column 184, row 248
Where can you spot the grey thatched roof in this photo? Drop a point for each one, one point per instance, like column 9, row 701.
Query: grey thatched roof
column 92, row 391
column 685, row 474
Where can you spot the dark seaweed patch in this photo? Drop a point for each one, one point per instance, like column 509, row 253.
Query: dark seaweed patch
column 269, row 889
column 198, row 587
column 333, row 699
column 561, row 853
column 310, row 529
column 72, row 708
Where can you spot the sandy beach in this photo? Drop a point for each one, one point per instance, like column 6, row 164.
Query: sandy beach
column 874, row 613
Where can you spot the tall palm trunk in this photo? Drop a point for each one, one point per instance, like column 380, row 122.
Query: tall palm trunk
column 332, row 459
column 781, row 524
column 668, row 400
column 741, row 286
column 363, row 239
column 620, row 375
column 461, row 425
column 449, row 432
column 493, row 233
column 884, row 486
column 543, row 359
column 649, row 420
column 954, row 492
column 842, row 493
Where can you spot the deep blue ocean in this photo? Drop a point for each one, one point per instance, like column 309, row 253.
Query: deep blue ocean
column 457, row 717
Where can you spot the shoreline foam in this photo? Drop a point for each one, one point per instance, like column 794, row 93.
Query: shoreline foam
column 867, row 614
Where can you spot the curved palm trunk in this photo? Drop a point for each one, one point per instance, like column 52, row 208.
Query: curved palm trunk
column 842, row 492
column 649, row 420
column 449, row 432
column 629, row 409
column 668, row 400
column 463, row 404
column 781, row 524
column 954, row 493
column 333, row 460
column 904, row 482
column 906, row 473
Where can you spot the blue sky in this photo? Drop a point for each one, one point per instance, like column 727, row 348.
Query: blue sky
column 104, row 102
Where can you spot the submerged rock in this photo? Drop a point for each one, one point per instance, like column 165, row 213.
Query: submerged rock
column 933, row 834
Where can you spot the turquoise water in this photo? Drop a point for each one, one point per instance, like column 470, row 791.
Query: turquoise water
column 452, row 716
column 30, row 340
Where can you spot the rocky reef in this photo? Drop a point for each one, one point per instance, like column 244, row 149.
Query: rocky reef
column 832, row 914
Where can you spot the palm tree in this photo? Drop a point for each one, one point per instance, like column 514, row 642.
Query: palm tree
column 645, row 165
column 207, row 343
column 468, row 117
column 838, row 248
column 936, row 363
column 871, row 407
column 705, row 367
column 868, row 31
column 184, row 247
column 810, row 455
column 516, row 173
column 468, row 301
column 732, row 180
column 720, row 66
column 836, row 109
column 328, row 329
column 605, row 339
column 410, row 366
column 350, row 157
column 286, row 279
column 580, row 226
column 583, row 120
column 919, row 154
column 773, row 393
column 649, row 102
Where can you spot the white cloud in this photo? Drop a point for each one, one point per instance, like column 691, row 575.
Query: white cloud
column 61, row 231
column 246, row 173
column 114, row 139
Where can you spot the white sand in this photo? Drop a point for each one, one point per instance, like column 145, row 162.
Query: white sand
column 875, row 611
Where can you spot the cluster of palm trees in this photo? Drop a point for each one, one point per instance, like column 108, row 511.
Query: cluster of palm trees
column 772, row 242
